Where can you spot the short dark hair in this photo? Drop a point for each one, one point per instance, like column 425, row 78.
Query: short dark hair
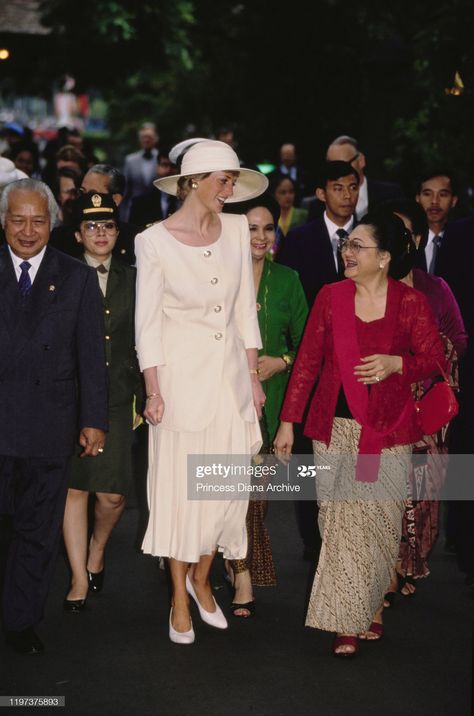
column 276, row 178
column 68, row 153
column 439, row 172
column 408, row 208
column 330, row 171
column 390, row 234
column 116, row 178
column 24, row 146
column 266, row 200
column 71, row 173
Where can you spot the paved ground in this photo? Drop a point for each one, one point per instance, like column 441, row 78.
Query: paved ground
column 116, row 658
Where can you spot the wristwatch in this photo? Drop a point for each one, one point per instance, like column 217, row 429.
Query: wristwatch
column 288, row 360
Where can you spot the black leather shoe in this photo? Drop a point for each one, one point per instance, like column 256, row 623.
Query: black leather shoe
column 25, row 641
column 96, row 580
column 74, row 606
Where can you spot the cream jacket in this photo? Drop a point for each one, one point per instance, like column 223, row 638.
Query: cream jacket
column 195, row 316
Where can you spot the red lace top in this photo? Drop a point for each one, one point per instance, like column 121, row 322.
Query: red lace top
column 416, row 339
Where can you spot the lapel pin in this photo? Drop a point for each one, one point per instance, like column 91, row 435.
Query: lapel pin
column 52, row 287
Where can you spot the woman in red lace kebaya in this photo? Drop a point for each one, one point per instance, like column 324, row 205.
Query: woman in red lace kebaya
column 367, row 339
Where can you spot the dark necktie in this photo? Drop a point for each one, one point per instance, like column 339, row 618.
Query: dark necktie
column 101, row 268
column 24, row 282
column 147, row 154
column 342, row 234
column 436, row 244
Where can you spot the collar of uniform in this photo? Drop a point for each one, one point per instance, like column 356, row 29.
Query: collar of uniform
column 94, row 263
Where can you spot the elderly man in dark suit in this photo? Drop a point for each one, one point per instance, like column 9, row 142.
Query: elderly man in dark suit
column 53, row 387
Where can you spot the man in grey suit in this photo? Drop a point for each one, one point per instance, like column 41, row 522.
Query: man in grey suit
column 140, row 167
column 53, row 392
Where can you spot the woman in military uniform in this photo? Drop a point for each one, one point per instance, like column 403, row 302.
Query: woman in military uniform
column 110, row 476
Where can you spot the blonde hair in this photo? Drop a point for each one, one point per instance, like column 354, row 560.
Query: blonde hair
column 185, row 184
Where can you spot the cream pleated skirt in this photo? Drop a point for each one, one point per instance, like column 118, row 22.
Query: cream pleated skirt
column 186, row 529
column 360, row 535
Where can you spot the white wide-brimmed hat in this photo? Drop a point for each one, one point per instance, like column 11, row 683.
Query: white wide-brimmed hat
column 9, row 172
column 200, row 156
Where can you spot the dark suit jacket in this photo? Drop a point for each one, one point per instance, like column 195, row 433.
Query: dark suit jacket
column 454, row 264
column 377, row 191
column 420, row 256
column 53, row 378
column 63, row 239
column 139, row 174
column 146, row 208
column 308, row 250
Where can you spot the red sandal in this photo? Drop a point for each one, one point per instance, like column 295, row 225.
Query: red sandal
column 375, row 628
column 345, row 641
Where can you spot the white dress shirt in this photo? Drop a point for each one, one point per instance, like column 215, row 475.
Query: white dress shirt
column 430, row 248
column 34, row 262
column 363, row 200
column 333, row 235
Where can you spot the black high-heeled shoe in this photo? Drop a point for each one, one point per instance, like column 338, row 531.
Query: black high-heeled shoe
column 96, row 580
column 74, row 606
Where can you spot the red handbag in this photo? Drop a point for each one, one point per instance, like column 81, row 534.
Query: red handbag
column 437, row 407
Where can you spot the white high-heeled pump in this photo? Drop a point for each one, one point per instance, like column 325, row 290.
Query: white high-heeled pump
column 181, row 637
column 215, row 619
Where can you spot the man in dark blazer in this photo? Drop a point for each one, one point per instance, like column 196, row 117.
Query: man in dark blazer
column 155, row 205
column 371, row 192
column 140, row 167
column 311, row 249
column 53, row 387
column 437, row 195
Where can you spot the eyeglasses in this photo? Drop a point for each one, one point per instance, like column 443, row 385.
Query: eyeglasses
column 352, row 245
column 352, row 159
column 92, row 227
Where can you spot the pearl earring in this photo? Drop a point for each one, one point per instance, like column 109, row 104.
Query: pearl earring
column 194, row 185
column 381, row 266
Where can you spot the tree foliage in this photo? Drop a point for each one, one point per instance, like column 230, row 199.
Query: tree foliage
column 302, row 72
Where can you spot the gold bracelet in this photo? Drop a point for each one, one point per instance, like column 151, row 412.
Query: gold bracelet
column 153, row 395
column 253, row 371
column 288, row 361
